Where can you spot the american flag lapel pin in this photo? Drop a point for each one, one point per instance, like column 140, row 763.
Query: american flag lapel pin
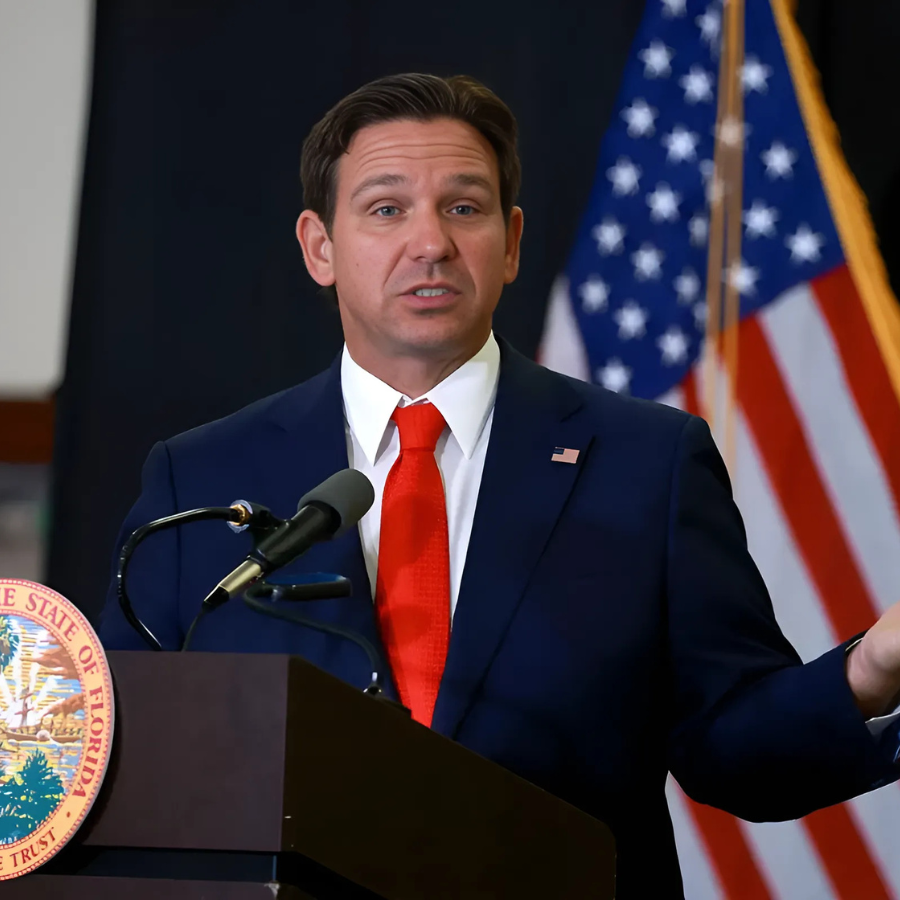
column 565, row 455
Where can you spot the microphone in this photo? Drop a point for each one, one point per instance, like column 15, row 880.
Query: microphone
column 326, row 512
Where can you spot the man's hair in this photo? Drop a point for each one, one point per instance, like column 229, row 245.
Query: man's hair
column 412, row 96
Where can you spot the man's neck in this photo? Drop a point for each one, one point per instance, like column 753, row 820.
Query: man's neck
column 413, row 376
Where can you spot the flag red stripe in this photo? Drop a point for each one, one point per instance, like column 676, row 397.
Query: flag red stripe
column 822, row 544
column 798, row 484
column 844, row 855
column 864, row 367
column 730, row 853
column 689, row 387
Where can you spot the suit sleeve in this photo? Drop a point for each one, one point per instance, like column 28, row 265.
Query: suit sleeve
column 153, row 574
column 753, row 731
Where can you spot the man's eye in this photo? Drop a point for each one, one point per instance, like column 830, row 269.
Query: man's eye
column 387, row 212
column 464, row 209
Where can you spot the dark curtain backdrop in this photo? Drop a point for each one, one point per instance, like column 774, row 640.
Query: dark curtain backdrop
column 856, row 46
column 190, row 297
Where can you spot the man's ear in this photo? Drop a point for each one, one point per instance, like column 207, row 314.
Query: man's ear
column 316, row 246
column 513, row 243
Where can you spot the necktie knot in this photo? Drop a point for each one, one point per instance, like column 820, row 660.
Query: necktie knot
column 420, row 426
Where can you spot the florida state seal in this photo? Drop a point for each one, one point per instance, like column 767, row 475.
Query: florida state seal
column 56, row 723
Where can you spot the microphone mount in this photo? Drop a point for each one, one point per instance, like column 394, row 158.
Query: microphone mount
column 241, row 515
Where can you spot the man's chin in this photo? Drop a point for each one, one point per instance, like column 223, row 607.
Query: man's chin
column 439, row 338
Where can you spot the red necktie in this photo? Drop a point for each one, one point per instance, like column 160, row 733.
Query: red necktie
column 412, row 592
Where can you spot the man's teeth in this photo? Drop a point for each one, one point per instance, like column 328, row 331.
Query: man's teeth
column 431, row 292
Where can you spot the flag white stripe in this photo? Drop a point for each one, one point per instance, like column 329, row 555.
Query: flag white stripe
column 562, row 346
column 700, row 879
column 789, row 859
column 877, row 815
column 838, row 438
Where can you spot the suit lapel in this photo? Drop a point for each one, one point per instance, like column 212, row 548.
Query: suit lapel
column 311, row 418
column 521, row 497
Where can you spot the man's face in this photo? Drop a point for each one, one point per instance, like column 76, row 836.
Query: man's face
column 419, row 250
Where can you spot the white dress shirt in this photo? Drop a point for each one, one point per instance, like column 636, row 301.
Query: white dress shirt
column 465, row 399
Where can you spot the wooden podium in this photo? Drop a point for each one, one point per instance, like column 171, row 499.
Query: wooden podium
column 239, row 776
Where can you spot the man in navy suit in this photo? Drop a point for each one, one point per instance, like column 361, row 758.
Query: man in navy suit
column 579, row 604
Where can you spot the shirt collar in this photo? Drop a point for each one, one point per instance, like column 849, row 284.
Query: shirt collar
column 464, row 398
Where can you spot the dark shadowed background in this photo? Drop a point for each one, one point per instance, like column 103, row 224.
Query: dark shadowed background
column 190, row 294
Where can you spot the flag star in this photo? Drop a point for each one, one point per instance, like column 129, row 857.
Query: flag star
column 743, row 277
column 697, row 85
column 699, row 229
column 615, row 376
column 687, row 285
column 594, row 294
column 732, row 131
column 647, row 262
column 610, row 237
column 663, row 203
column 632, row 321
column 779, row 161
column 672, row 9
column 805, row 245
column 673, row 345
column 710, row 24
column 760, row 220
column 681, row 144
column 656, row 59
column 700, row 314
column 755, row 75
column 625, row 176
column 640, row 117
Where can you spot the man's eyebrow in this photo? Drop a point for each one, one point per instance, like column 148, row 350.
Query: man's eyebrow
column 387, row 180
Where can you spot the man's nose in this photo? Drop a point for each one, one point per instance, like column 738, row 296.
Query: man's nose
column 430, row 238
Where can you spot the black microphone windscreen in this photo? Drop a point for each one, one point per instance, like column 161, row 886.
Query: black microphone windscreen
column 348, row 492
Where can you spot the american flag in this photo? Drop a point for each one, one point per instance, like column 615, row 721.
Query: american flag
column 565, row 455
column 816, row 411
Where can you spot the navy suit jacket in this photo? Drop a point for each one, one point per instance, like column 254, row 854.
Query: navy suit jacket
column 611, row 626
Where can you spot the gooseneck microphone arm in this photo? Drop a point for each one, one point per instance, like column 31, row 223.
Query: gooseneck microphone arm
column 259, row 597
column 236, row 514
